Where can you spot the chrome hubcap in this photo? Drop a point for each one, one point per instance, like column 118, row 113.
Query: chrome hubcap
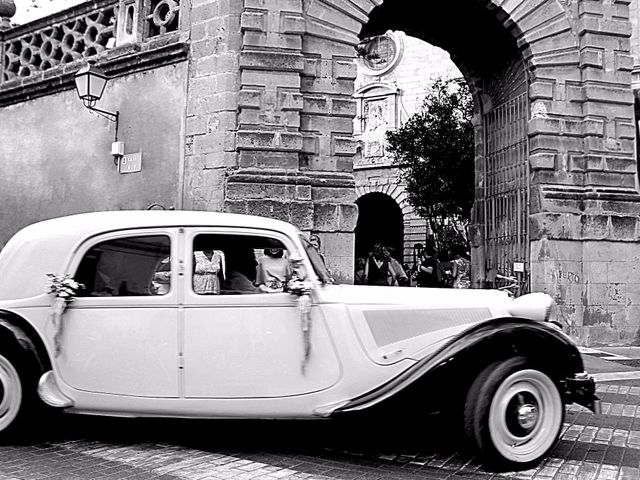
column 522, row 413
column 527, row 416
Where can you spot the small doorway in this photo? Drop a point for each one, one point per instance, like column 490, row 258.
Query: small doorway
column 380, row 219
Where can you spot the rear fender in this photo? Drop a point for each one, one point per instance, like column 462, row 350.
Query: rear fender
column 447, row 373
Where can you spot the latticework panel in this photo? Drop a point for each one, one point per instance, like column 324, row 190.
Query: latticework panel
column 41, row 50
column 86, row 34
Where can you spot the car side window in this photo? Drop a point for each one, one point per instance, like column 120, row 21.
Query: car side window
column 226, row 264
column 131, row 266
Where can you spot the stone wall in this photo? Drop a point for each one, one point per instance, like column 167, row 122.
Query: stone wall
column 585, row 206
column 68, row 168
column 212, row 90
column 57, row 153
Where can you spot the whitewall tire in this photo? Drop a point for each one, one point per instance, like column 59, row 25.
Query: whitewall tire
column 513, row 413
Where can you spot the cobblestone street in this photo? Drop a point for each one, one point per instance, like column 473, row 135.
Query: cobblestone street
column 591, row 447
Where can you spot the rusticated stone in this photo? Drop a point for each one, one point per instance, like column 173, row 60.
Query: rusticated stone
column 272, row 61
column 269, row 208
column 301, row 215
column 543, row 161
column 237, row 191
column 256, row 140
column 332, row 195
column 348, row 217
column 326, row 217
column 595, row 226
column 624, row 228
column 236, row 206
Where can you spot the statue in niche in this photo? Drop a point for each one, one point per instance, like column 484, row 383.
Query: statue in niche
column 374, row 135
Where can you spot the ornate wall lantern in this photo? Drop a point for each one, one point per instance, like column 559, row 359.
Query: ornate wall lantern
column 90, row 82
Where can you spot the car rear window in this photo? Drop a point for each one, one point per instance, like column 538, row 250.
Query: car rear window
column 131, row 266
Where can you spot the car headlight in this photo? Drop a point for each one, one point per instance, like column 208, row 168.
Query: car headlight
column 534, row 306
column 553, row 313
column 553, row 317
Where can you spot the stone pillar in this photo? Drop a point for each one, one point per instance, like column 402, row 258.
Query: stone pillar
column 294, row 124
column 585, row 202
column 212, row 101
column 267, row 179
column 327, row 122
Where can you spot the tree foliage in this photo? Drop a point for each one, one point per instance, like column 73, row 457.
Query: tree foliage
column 435, row 152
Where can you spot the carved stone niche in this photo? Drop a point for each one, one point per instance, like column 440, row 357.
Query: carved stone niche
column 377, row 113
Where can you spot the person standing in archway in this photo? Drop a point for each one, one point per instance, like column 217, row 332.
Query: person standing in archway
column 428, row 268
column 397, row 271
column 461, row 270
column 377, row 269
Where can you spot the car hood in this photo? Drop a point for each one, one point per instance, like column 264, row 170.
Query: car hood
column 432, row 297
column 396, row 323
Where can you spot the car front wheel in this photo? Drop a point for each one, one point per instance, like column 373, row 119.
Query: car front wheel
column 513, row 413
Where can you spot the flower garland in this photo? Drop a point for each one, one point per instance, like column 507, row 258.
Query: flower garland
column 298, row 286
column 64, row 289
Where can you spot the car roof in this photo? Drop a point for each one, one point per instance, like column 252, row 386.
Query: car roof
column 84, row 224
column 46, row 247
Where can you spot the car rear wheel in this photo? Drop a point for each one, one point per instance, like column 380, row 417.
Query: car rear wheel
column 11, row 393
column 513, row 413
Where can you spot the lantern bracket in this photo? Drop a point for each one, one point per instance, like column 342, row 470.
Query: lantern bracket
column 111, row 116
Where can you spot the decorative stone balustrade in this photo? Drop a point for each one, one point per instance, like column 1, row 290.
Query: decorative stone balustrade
column 43, row 48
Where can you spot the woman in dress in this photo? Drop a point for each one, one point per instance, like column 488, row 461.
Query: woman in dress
column 273, row 269
column 205, row 277
column 461, row 271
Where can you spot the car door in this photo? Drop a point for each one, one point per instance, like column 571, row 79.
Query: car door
column 242, row 343
column 120, row 333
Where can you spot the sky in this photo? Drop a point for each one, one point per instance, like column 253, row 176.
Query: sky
column 28, row 10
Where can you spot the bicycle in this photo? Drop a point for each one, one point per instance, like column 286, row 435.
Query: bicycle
column 512, row 287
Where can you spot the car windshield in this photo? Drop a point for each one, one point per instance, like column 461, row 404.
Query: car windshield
column 317, row 261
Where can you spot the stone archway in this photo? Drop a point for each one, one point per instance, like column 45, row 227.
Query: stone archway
column 571, row 62
column 497, row 67
column 580, row 164
column 381, row 218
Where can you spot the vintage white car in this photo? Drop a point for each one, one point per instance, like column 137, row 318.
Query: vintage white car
column 152, row 332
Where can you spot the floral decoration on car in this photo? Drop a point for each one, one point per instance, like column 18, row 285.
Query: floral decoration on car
column 299, row 286
column 64, row 288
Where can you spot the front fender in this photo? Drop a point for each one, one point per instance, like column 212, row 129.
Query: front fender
column 460, row 359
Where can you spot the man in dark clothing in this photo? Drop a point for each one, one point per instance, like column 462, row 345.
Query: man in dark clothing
column 427, row 268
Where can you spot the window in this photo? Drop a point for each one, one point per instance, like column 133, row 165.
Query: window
column 131, row 266
column 380, row 54
column 239, row 264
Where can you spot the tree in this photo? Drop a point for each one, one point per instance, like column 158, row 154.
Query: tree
column 435, row 152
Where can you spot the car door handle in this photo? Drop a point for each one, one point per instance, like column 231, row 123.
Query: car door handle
column 396, row 353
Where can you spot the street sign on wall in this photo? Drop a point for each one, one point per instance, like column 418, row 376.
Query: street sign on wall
column 130, row 163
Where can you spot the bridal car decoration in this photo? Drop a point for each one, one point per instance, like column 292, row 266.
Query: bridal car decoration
column 64, row 289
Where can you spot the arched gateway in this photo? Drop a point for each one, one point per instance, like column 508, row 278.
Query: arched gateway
column 247, row 106
column 556, row 176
